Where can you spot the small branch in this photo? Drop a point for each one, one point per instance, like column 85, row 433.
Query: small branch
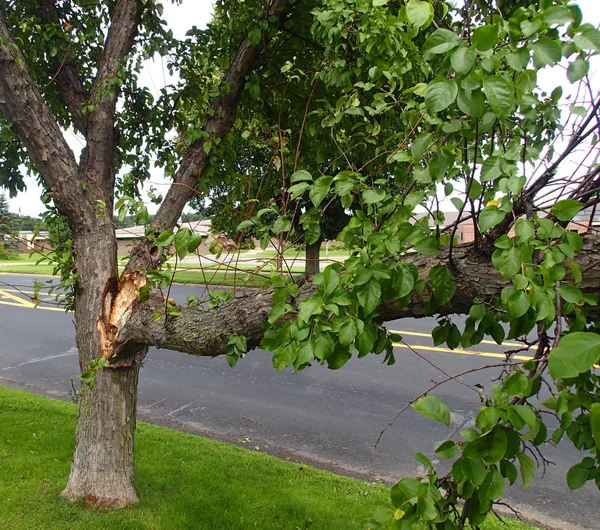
column 439, row 383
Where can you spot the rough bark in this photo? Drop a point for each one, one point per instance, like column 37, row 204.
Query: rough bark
column 100, row 153
column 22, row 104
column 205, row 332
column 102, row 471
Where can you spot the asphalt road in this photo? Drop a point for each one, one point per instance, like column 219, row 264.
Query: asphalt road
column 330, row 419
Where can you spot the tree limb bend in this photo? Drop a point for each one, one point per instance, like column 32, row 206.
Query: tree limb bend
column 205, row 332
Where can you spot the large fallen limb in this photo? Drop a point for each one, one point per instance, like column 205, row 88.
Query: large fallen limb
column 205, row 332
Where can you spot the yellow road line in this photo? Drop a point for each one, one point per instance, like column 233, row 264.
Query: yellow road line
column 22, row 301
column 22, row 291
column 460, row 352
column 418, row 334
column 32, row 306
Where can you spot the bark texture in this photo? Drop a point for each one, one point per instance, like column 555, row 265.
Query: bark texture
column 103, row 472
column 21, row 103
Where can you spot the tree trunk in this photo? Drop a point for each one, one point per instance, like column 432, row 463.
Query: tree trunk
column 102, row 470
column 312, row 258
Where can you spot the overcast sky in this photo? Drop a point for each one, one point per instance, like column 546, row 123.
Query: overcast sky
column 198, row 13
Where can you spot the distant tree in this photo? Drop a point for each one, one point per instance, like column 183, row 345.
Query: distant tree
column 26, row 223
column 6, row 223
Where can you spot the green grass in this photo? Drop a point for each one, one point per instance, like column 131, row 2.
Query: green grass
column 15, row 256
column 184, row 481
column 28, row 269
column 295, row 254
column 216, row 278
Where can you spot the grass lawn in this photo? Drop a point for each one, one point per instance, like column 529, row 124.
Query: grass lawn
column 184, row 481
column 295, row 254
column 241, row 279
column 28, row 269
column 19, row 256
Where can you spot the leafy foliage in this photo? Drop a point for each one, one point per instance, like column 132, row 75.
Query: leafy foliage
column 354, row 117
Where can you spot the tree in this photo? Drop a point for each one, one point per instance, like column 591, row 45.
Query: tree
column 6, row 222
column 397, row 100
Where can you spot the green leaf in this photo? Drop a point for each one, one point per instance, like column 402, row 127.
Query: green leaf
column 443, row 283
column 566, row 209
column 570, row 293
column 440, row 41
column 182, row 240
column 577, row 70
column 524, row 230
column 348, row 333
column 312, row 306
column 474, row 469
column 418, row 12
column 372, row 196
column 448, row 449
column 557, row 15
column 285, row 356
column 420, row 145
column 324, row 346
column 366, row 340
column 527, row 466
column 320, row 190
column 491, row 168
column 484, row 38
column 545, row 51
column 575, row 353
column 282, row 224
column 509, row 262
column 298, row 189
column 471, row 102
column 248, row 223
column 493, row 486
column 368, row 296
column 254, row 36
column 501, row 95
column 440, row 94
column 194, row 242
column 422, row 459
column 518, row 304
column 428, row 246
column 526, row 82
column 588, row 38
column 301, row 175
column 518, row 383
column 577, row 476
column 404, row 283
column 277, row 311
column 463, row 59
column 331, row 280
column 165, row 239
column 595, row 423
column 489, row 217
column 433, row 408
